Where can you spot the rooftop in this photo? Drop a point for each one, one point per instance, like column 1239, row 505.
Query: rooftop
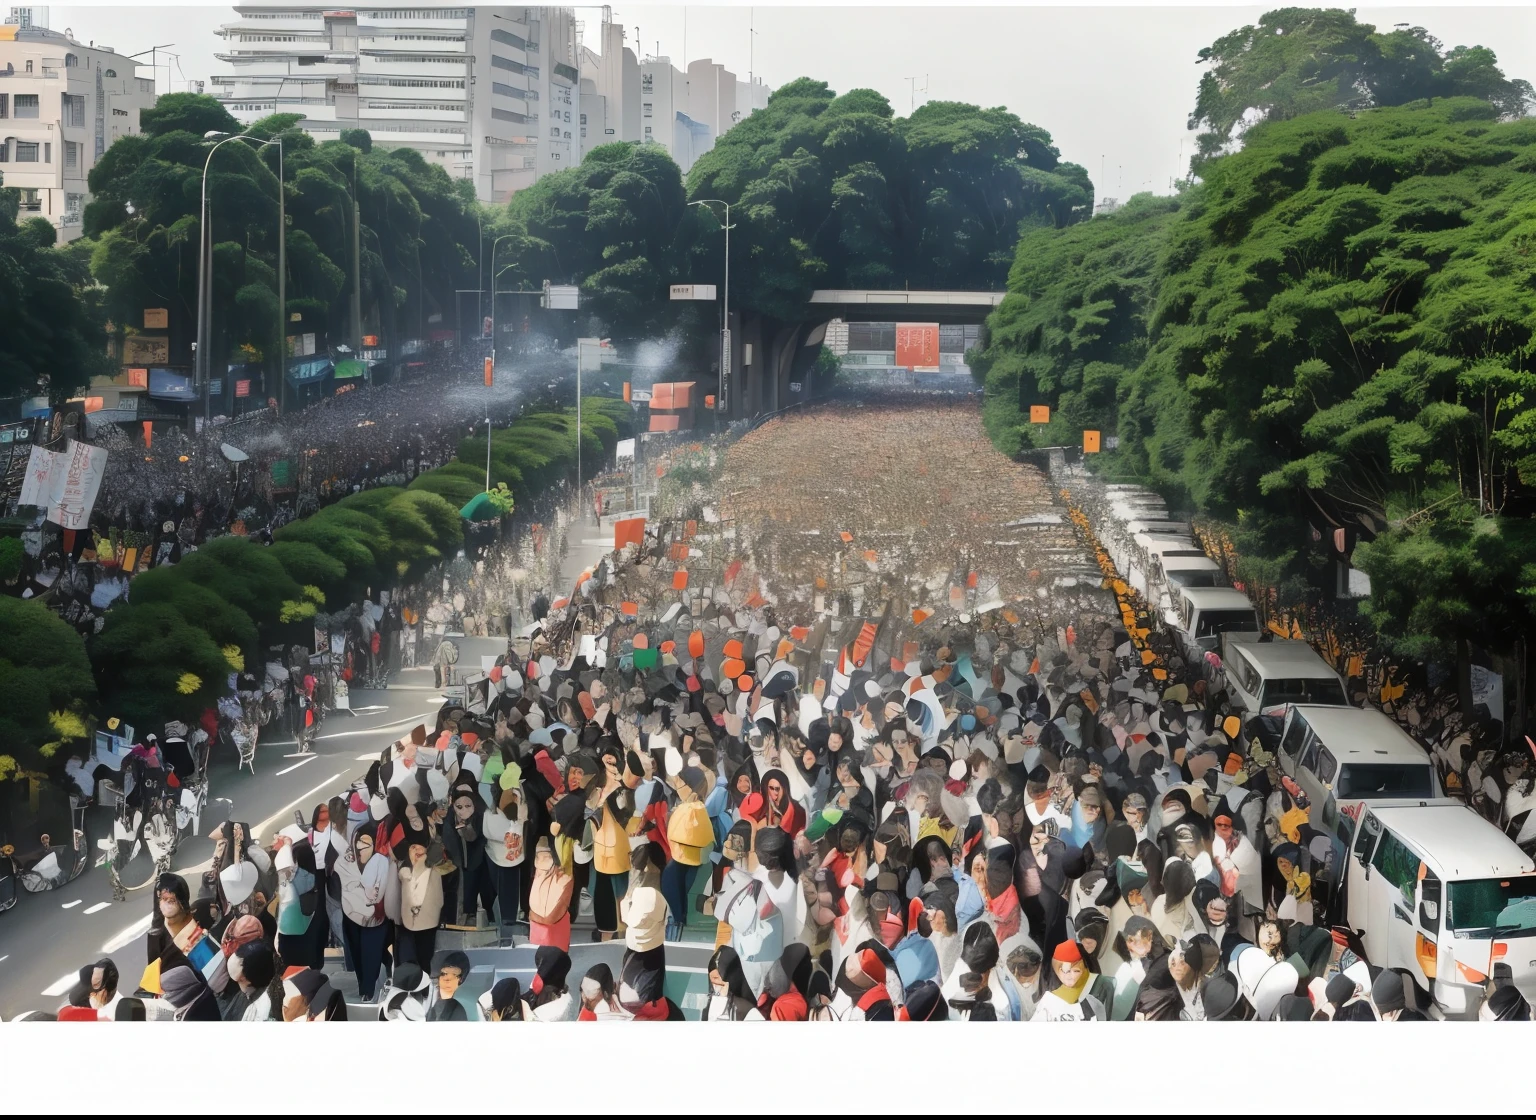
column 1357, row 734
column 1455, row 839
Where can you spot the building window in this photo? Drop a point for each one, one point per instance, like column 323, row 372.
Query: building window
column 5, row 105
column 74, row 110
column 507, row 64
column 554, row 132
column 71, row 61
column 29, row 70
column 31, row 203
column 583, row 118
column 507, row 91
column 47, row 153
column 71, row 155
column 72, row 205
column 508, row 115
column 111, row 73
column 26, row 151
column 511, row 40
column 5, row 150
column 27, row 107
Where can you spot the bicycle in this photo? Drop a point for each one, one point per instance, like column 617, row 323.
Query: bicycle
column 143, row 837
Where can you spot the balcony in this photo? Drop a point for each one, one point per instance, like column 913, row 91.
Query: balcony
column 448, row 115
column 407, row 21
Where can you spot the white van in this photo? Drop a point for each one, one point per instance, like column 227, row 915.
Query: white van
column 1148, row 548
column 1201, row 615
column 1435, row 889
column 1121, row 543
column 1264, row 677
column 1342, row 757
column 1170, row 572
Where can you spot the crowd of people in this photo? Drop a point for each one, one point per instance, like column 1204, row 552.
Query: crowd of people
column 996, row 828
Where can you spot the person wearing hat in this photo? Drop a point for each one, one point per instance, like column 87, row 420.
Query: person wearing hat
column 862, row 992
column 186, row 991
column 308, row 997
column 1069, row 1001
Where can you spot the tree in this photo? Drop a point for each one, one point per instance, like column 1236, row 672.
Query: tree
column 54, row 339
column 1303, row 60
column 46, row 688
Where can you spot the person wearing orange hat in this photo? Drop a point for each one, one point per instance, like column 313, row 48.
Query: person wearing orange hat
column 1069, row 1001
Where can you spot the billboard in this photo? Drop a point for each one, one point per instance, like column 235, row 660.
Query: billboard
column 693, row 291
column 168, row 385
column 146, row 350
column 561, row 297
column 917, row 345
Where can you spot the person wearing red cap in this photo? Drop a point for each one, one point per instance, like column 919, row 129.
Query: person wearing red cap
column 1069, row 1001
column 861, row 988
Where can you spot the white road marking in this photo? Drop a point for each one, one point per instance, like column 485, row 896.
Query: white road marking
column 71, row 905
column 367, row 758
column 128, row 935
column 370, row 708
column 409, row 721
column 100, row 906
column 257, row 832
column 63, row 984
column 296, row 765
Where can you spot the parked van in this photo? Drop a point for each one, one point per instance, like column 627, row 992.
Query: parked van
column 1121, row 543
column 1435, row 889
column 1263, row 678
column 1148, row 548
column 1201, row 615
column 1170, row 572
column 1342, row 757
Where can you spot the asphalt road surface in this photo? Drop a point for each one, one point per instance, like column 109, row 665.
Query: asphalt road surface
column 45, row 938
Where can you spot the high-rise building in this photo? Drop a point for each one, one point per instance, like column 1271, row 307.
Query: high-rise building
column 489, row 93
column 62, row 105
column 496, row 95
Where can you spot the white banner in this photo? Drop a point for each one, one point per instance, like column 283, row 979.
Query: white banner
column 67, row 483
column 693, row 291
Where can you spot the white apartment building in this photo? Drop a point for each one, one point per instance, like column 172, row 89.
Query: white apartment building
column 686, row 112
column 62, row 105
column 488, row 93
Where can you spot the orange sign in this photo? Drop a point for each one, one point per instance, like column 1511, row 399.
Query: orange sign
column 917, row 345
column 370, row 340
column 488, row 378
column 156, row 318
column 1039, row 414
column 138, row 379
column 631, row 531
column 1090, row 442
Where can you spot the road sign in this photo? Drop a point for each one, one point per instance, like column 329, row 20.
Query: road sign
column 693, row 291
column 1039, row 414
column 1090, row 443
column 640, row 396
column 562, row 297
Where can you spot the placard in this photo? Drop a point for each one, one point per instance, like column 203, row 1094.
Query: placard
column 156, row 319
column 145, row 350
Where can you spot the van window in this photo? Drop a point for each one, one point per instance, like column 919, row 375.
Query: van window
column 1227, row 622
column 1325, row 766
column 1193, row 577
column 1295, row 735
column 1364, row 779
column 1493, row 907
column 1398, row 865
column 1309, row 753
column 1304, row 690
column 1365, row 842
column 1246, row 676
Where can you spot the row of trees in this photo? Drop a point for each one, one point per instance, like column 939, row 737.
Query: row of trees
column 1333, row 329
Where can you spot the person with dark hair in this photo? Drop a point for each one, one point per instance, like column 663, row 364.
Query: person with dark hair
column 421, row 907
column 258, row 995
column 549, row 998
column 463, row 839
column 450, row 969
column 730, row 1000
column 644, row 912
column 600, row 997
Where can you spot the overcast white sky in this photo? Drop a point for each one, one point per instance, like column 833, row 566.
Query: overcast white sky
column 1114, row 85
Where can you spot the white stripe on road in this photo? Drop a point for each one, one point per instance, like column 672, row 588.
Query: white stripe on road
column 409, row 721
column 296, row 765
column 256, row 832
column 63, row 984
column 70, row 905
column 100, row 906
column 128, row 935
column 367, row 758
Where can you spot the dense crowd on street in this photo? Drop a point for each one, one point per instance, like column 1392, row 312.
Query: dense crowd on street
column 993, row 829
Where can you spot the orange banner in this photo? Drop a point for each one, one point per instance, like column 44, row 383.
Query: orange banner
column 630, row 531
column 917, row 345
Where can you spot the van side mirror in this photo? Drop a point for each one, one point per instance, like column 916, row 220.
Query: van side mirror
column 1429, row 913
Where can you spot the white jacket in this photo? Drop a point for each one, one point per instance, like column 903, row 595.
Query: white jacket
column 1053, row 1009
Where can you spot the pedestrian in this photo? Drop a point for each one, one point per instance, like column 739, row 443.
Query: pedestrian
column 421, row 907
column 364, row 876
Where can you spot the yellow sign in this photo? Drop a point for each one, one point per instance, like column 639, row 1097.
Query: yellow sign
column 144, row 350
column 1090, row 442
column 1039, row 414
column 156, row 319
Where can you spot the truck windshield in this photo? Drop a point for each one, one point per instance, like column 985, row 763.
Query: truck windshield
column 1227, row 622
column 1303, row 690
column 1493, row 907
column 1363, row 779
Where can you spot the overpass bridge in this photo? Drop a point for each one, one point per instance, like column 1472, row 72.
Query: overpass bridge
column 769, row 356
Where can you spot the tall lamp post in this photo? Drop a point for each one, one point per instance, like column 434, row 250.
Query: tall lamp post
column 494, row 244
column 725, row 333
column 204, row 298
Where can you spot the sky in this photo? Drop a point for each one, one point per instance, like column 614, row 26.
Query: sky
column 1112, row 84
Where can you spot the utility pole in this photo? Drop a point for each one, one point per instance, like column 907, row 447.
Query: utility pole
column 357, row 272
column 725, row 334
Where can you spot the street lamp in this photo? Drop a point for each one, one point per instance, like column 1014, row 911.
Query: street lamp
column 725, row 334
column 495, row 243
column 204, row 299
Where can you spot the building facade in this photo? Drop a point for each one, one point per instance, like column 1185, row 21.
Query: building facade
column 488, row 93
column 62, row 105
column 497, row 95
